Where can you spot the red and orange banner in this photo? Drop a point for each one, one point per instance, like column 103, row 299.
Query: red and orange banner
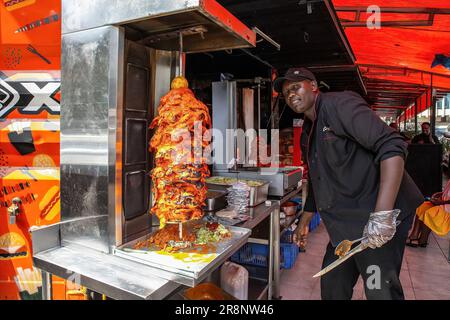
column 30, row 40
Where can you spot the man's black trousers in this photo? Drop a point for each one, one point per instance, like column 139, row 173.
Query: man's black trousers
column 379, row 268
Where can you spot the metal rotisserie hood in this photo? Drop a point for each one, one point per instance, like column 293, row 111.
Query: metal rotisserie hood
column 156, row 22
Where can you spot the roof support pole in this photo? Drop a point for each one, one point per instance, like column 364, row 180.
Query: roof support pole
column 416, row 129
column 404, row 120
column 433, row 109
column 180, row 57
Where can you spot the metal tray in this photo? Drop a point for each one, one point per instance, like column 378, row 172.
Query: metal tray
column 282, row 180
column 215, row 200
column 186, row 268
column 257, row 194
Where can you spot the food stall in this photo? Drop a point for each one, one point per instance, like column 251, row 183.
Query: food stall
column 118, row 60
column 116, row 65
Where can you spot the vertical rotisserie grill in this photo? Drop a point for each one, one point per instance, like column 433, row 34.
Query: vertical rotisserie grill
column 180, row 168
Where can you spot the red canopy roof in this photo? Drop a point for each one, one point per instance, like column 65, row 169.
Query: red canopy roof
column 400, row 54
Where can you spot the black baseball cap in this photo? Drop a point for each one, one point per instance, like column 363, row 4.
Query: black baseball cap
column 293, row 74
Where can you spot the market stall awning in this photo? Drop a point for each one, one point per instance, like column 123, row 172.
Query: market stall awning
column 308, row 35
column 398, row 56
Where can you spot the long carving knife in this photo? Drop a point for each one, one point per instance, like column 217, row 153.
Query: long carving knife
column 362, row 246
column 339, row 261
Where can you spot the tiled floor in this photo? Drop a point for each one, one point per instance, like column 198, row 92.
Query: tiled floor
column 425, row 271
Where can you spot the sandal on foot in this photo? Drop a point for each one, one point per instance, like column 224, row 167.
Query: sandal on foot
column 411, row 244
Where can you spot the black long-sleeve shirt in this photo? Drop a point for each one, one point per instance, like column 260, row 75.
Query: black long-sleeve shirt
column 343, row 148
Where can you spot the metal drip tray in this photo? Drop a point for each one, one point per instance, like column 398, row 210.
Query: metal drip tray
column 186, row 267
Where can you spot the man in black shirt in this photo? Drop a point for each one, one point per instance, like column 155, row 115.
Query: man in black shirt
column 426, row 136
column 356, row 169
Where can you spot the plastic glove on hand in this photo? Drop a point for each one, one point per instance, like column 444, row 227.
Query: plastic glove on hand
column 380, row 228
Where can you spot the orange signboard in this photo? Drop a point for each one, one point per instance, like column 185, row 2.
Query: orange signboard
column 30, row 40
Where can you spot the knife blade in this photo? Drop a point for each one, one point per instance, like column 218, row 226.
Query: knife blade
column 336, row 263
column 362, row 246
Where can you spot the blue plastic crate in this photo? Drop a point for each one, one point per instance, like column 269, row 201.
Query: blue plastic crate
column 258, row 254
column 289, row 252
column 286, row 236
column 253, row 254
column 312, row 223
column 315, row 222
column 296, row 199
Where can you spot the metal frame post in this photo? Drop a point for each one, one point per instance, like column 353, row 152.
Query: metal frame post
column 276, row 254
column 416, row 109
column 180, row 57
column 404, row 120
column 433, row 109
column 271, row 256
column 47, row 290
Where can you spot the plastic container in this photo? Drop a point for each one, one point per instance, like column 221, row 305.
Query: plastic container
column 206, row 291
column 234, row 280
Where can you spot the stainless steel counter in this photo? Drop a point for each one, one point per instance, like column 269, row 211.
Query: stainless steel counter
column 186, row 271
column 259, row 214
column 303, row 187
column 105, row 273
column 115, row 277
column 276, row 233
column 121, row 278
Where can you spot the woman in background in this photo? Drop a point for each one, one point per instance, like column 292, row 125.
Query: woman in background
column 433, row 215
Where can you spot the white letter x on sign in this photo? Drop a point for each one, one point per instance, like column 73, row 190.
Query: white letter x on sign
column 42, row 97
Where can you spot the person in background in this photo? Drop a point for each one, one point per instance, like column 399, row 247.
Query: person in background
column 356, row 178
column 394, row 126
column 432, row 215
column 425, row 137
